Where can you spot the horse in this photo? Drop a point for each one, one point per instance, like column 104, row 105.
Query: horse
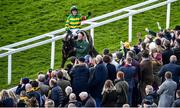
column 68, row 47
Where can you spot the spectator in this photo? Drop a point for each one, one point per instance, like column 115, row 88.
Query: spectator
column 166, row 54
column 131, row 54
column 22, row 85
column 49, row 103
column 121, row 89
column 173, row 68
column 68, row 91
column 129, row 73
column 31, row 93
column 56, row 93
column 146, row 72
column 32, row 102
column 98, row 80
column 13, row 96
column 119, row 57
column 176, row 50
column 167, row 91
column 62, row 82
column 87, row 100
column 142, row 49
column 110, row 67
column 42, row 86
column 72, row 99
column 105, row 51
column 37, row 93
column 135, row 63
column 7, row 101
column 22, row 99
column 157, row 64
column 158, row 45
column 80, row 76
column 109, row 94
column 176, row 103
column 151, row 96
column 113, row 60
column 81, row 46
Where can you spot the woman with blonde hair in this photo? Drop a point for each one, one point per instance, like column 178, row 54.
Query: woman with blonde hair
column 109, row 94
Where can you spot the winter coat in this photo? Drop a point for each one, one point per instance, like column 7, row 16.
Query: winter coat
column 80, row 77
column 35, row 94
column 145, row 75
column 166, row 54
column 111, row 71
column 146, row 71
column 44, row 89
column 167, row 93
column 173, row 68
column 8, row 102
column 63, row 84
column 109, row 98
column 122, row 91
column 90, row 102
column 56, row 94
column 97, row 82
column 129, row 73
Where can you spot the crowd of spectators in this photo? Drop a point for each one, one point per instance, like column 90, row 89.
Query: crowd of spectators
column 144, row 75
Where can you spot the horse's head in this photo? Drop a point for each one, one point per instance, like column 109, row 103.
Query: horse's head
column 68, row 45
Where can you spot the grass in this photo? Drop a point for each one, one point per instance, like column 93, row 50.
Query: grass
column 23, row 19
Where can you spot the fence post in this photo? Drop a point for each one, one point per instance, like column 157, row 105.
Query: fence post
column 92, row 35
column 130, row 29
column 168, row 14
column 52, row 52
column 9, row 69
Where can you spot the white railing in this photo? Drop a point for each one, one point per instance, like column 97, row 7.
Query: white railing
column 93, row 23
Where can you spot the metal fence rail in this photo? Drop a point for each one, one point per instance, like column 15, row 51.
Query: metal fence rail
column 93, row 24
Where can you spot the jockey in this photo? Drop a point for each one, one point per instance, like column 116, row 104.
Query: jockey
column 73, row 22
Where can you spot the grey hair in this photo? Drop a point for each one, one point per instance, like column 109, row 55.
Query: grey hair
column 41, row 77
column 68, row 90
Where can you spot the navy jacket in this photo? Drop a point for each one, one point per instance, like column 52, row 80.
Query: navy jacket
column 98, row 80
column 172, row 67
column 176, row 52
column 79, row 77
column 57, row 95
column 166, row 54
column 111, row 71
column 129, row 73
column 35, row 94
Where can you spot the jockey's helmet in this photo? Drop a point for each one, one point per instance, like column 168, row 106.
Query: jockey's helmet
column 73, row 8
